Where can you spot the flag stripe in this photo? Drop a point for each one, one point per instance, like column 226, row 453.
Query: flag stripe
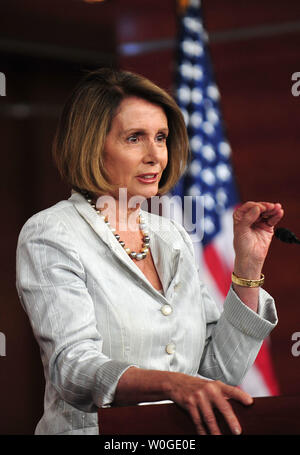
column 210, row 175
column 217, row 268
column 264, row 363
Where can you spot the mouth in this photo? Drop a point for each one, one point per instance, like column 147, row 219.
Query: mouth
column 147, row 178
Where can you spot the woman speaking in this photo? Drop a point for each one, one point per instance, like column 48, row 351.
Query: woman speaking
column 112, row 292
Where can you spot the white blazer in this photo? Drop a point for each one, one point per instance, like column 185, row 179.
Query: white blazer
column 94, row 313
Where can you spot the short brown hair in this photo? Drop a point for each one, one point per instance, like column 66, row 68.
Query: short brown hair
column 86, row 120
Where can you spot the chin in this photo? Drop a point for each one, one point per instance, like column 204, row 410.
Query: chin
column 147, row 193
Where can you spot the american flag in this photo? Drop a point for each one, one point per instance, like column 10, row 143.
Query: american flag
column 210, row 175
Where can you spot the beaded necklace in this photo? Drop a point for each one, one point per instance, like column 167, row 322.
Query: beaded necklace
column 142, row 226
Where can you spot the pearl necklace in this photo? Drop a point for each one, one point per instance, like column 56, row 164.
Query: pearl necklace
column 142, row 226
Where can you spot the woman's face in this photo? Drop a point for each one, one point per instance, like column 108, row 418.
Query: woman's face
column 135, row 151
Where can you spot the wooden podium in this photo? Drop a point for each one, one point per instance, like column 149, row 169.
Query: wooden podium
column 266, row 416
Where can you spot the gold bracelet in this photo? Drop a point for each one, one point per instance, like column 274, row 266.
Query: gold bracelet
column 248, row 283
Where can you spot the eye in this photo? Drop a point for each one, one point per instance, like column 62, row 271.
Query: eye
column 161, row 137
column 133, row 138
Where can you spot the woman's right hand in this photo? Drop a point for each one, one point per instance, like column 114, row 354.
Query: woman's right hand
column 199, row 396
column 196, row 395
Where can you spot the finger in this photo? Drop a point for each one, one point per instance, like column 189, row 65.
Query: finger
column 270, row 213
column 277, row 217
column 218, row 399
column 264, row 207
column 273, row 216
column 208, row 414
column 248, row 205
column 244, row 208
column 237, row 394
column 196, row 418
column 248, row 213
column 247, row 217
column 271, row 220
column 266, row 212
column 271, row 206
column 226, row 410
column 277, row 208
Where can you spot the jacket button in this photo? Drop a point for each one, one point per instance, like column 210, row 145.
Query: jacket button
column 170, row 348
column 166, row 310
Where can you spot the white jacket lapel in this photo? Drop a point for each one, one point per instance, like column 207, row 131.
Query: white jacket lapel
column 164, row 251
column 98, row 225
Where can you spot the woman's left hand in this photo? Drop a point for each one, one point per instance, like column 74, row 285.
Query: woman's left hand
column 253, row 224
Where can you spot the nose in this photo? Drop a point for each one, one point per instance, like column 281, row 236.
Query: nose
column 151, row 152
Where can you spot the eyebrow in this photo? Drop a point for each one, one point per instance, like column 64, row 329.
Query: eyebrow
column 142, row 130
